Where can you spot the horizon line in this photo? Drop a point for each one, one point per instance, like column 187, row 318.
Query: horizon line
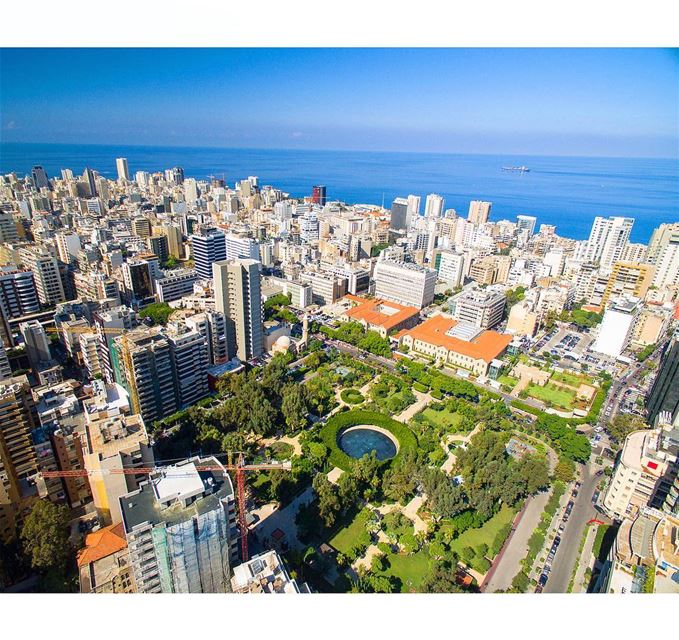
column 328, row 150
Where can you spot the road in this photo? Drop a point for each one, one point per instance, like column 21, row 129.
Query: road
column 567, row 552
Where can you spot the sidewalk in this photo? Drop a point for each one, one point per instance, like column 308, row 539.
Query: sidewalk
column 585, row 560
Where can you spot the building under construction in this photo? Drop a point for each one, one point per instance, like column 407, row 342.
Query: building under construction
column 181, row 529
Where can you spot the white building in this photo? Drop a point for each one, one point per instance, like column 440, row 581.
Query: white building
column 451, row 267
column 408, row 284
column 608, row 239
column 433, row 207
column 617, row 326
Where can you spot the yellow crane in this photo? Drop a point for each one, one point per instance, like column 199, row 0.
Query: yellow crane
column 127, row 357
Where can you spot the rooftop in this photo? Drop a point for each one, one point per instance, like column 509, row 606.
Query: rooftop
column 379, row 312
column 143, row 505
column 487, row 345
column 102, row 543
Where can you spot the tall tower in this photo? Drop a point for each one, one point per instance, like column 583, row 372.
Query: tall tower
column 123, row 169
column 479, row 212
column 433, row 207
column 238, row 297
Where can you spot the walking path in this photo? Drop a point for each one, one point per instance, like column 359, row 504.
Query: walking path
column 508, row 562
column 293, row 441
column 449, row 463
column 585, row 561
column 410, row 511
column 423, row 399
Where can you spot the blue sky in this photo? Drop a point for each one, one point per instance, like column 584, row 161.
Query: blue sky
column 608, row 102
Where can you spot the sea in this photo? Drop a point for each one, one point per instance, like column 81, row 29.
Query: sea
column 564, row 191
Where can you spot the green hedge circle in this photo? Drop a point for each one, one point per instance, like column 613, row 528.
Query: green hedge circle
column 407, row 441
column 352, row 396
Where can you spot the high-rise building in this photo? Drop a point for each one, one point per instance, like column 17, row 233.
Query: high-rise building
column 483, row 308
column 18, row 293
column 644, row 473
column 433, row 207
column 450, row 266
column 40, row 179
column 208, row 247
column 37, row 344
column 608, row 239
column 479, row 211
column 46, row 274
column 181, row 529
column 158, row 245
column 628, row 279
column 318, row 195
column 661, row 237
column 399, row 213
column 191, row 190
column 664, row 394
column 526, row 223
column 667, row 263
column 238, row 297
column 141, row 227
column 405, row 283
column 18, row 460
column 123, row 169
column 413, row 208
column 8, row 227
column 190, row 361
column 173, row 233
column 115, row 439
column 308, row 227
column 91, row 182
column 241, row 247
column 143, row 364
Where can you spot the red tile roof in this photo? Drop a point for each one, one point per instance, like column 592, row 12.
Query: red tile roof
column 487, row 346
column 102, row 543
column 369, row 311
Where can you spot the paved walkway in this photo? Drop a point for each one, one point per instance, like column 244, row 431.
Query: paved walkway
column 410, row 511
column 585, row 561
column 334, row 474
column 508, row 562
column 284, row 519
column 370, row 553
column 449, row 463
column 423, row 399
column 293, row 441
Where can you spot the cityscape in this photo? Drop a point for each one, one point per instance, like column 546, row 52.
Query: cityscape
column 212, row 386
column 337, row 322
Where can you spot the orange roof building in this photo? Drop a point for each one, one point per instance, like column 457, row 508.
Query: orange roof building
column 103, row 563
column 458, row 344
column 382, row 316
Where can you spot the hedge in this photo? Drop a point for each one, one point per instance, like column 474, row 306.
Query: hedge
column 330, row 431
column 420, row 387
column 352, row 396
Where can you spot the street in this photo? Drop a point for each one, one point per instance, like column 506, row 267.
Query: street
column 567, row 552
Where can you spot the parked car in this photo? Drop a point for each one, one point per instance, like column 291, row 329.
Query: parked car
column 542, row 581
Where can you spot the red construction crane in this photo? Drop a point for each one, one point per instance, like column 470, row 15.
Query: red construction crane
column 240, row 469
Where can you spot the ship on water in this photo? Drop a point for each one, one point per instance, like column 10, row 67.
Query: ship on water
column 522, row 169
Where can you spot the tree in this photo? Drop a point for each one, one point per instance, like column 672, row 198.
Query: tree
column 45, row 536
column 158, row 312
column 328, row 502
column 565, row 470
column 623, row 424
column 294, row 407
column 441, row 579
column 535, row 472
column 171, row 262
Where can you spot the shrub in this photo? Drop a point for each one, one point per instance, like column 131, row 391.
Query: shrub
column 420, row 387
column 332, row 429
column 352, row 396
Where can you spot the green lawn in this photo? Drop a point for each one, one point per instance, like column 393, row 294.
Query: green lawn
column 557, row 396
column 411, row 569
column 344, row 539
column 486, row 534
column 443, row 418
column 508, row 380
column 571, row 379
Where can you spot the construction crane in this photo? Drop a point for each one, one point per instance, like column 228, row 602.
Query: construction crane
column 240, row 469
column 121, row 333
